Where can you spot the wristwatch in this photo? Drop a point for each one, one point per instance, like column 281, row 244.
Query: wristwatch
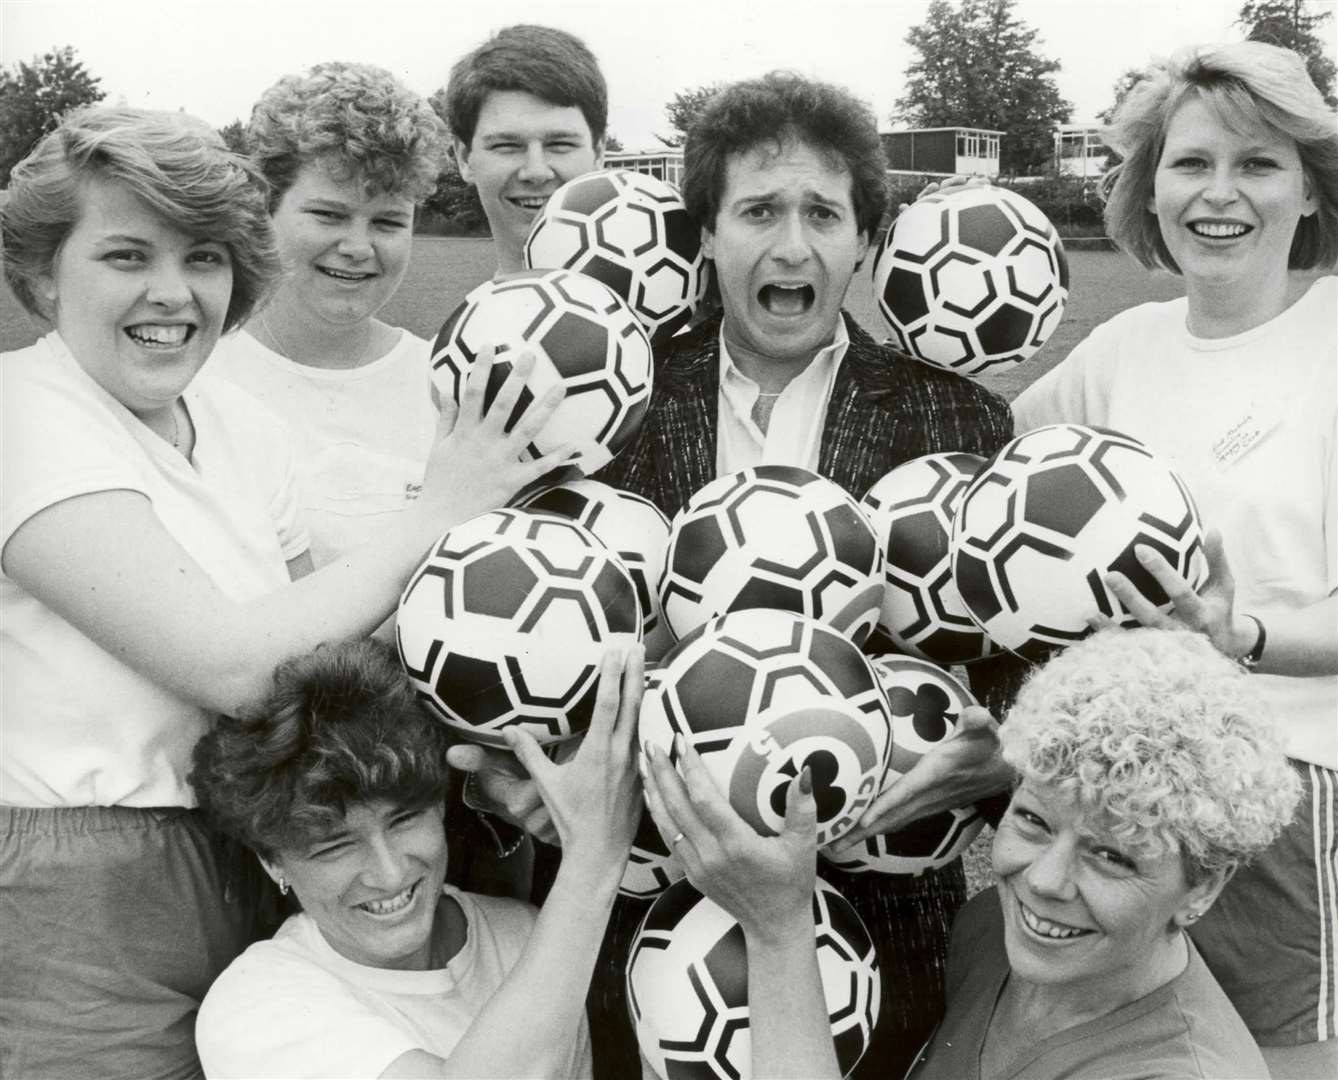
column 1251, row 659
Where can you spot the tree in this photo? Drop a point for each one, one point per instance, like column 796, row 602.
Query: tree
column 234, row 135
column 1289, row 24
column 1126, row 82
column 683, row 110
column 33, row 98
column 978, row 66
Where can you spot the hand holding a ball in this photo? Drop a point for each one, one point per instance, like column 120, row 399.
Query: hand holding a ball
column 476, row 462
column 963, row 769
column 765, row 882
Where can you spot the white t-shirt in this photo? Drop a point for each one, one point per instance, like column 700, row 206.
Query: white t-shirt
column 80, row 727
column 794, row 431
column 361, row 436
column 294, row 1007
column 1250, row 423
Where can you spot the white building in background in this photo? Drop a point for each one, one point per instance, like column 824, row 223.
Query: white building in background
column 946, row 151
column 1079, row 150
column 666, row 164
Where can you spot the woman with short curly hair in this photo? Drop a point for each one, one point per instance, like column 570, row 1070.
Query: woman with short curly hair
column 1147, row 771
column 337, row 783
column 348, row 152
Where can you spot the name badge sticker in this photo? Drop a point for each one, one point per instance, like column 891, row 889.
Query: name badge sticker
column 1245, row 433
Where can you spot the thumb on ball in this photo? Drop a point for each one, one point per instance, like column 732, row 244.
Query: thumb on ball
column 466, row 757
column 801, row 808
column 521, row 743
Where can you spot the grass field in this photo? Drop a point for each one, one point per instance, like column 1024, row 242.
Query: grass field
column 443, row 269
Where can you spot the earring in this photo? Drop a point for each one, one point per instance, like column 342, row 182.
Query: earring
column 1193, row 916
column 283, row 885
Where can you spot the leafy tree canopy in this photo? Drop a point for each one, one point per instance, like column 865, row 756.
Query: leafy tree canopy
column 1288, row 23
column 979, row 65
column 683, row 110
column 33, row 98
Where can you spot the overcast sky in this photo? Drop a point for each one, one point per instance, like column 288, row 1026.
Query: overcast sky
column 213, row 58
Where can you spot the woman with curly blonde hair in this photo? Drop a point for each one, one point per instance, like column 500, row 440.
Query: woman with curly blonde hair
column 1148, row 770
column 348, row 152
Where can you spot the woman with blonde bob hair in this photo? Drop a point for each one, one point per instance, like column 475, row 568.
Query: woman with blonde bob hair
column 150, row 551
column 1230, row 180
column 1148, row 770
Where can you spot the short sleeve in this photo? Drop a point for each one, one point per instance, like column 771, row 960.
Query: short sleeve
column 1075, row 391
column 277, row 1015
column 57, row 441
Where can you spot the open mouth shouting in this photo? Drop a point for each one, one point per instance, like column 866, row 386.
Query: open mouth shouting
column 1049, row 929
column 160, row 335
column 391, row 905
column 787, row 300
column 1209, row 229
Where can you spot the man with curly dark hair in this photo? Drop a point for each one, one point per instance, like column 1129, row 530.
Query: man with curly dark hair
column 785, row 176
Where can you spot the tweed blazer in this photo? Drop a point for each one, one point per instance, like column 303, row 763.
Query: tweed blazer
column 885, row 409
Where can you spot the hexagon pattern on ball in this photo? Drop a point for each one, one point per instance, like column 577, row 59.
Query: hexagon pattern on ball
column 687, row 984
column 1050, row 514
column 633, row 233
column 777, row 537
column 911, row 509
column 651, row 866
column 628, row 525
column 506, row 620
column 582, row 335
column 761, row 694
column 928, row 844
column 971, row 279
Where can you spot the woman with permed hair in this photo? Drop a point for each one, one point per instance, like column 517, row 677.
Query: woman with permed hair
column 1230, row 180
column 1148, row 770
column 150, row 551
column 348, row 152
column 337, row 785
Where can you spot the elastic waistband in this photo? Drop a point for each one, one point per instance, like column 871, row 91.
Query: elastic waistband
column 83, row 820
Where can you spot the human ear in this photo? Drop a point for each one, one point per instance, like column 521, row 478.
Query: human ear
column 708, row 243
column 462, row 159
column 1201, row 896
column 863, row 250
column 1309, row 203
column 599, row 154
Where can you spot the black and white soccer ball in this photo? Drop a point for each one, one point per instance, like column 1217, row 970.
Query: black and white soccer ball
column 773, row 536
column 583, row 336
column 928, row 844
column 1053, row 512
column 761, row 694
column 651, row 866
column 971, row 279
column 632, row 527
column 925, row 703
column 687, row 984
column 911, row 509
column 633, row 233
column 505, row 623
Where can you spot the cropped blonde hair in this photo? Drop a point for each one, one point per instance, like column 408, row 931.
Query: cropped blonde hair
column 1249, row 85
column 1161, row 740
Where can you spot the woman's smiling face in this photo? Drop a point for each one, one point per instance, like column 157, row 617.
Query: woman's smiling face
column 1079, row 908
column 372, row 883
column 1228, row 201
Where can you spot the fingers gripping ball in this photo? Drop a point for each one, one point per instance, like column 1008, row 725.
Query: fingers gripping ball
column 971, row 279
column 633, row 233
column 773, row 537
column 687, row 984
column 762, row 694
column 583, row 336
column 1050, row 514
column 925, row 702
column 651, row 866
column 911, row 509
column 630, row 526
column 506, row 621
